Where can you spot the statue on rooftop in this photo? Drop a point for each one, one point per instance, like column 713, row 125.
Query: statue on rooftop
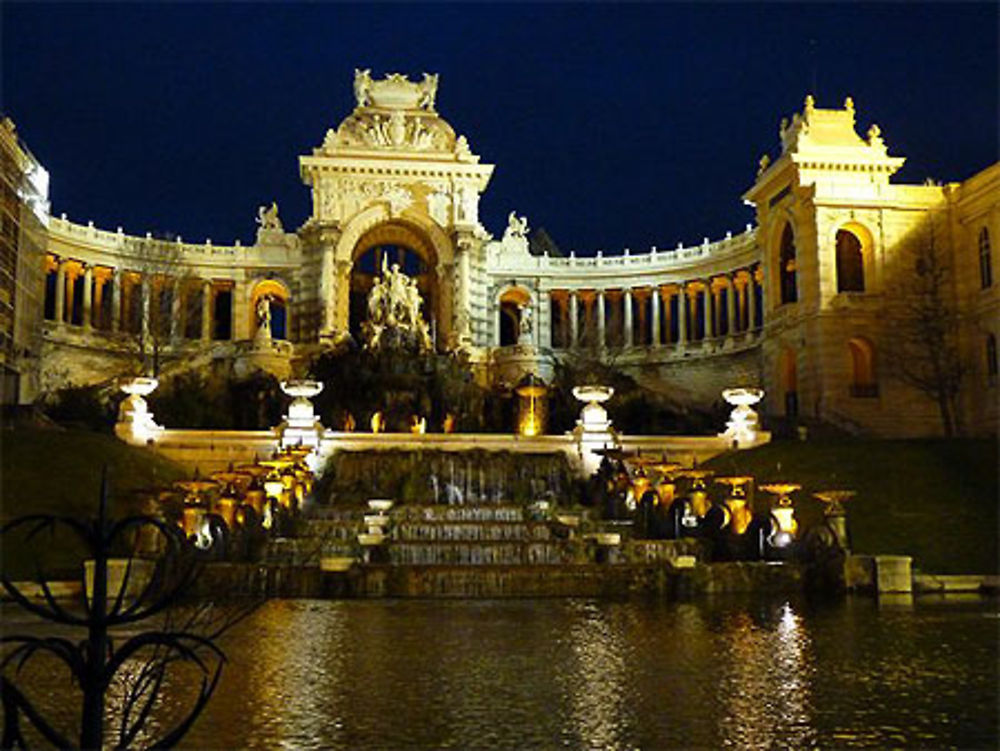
column 428, row 91
column 267, row 217
column 363, row 86
column 516, row 226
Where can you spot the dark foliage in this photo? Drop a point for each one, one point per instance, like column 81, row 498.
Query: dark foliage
column 399, row 385
column 91, row 407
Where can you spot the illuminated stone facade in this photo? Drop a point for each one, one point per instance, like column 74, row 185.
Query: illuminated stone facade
column 394, row 184
column 24, row 210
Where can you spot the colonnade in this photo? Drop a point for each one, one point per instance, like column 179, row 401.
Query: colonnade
column 105, row 298
column 720, row 306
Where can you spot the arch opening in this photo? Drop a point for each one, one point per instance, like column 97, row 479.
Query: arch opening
column 787, row 281
column 864, row 383
column 850, row 262
column 387, row 246
column 277, row 297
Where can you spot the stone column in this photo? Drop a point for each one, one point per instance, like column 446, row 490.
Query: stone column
column 627, row 326
column 740, row 293
column 88, row 295
column 144, row 292
column 731, row 307
column 100, row 279
column 681, row 316
column 463, row 318
column 206, row 310
column 497, row 321
column 752, row 306
column 71, row 275
column 601, row 339
column 711, row 300
column 116, row 299
column 654, row 309
column 176, row 324
column 342, row 285
column 666, row 296
column 574, row 318
column 692, row 296
column 61, row 292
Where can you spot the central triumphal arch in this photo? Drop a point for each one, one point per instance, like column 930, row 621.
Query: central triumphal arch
column 394, row 181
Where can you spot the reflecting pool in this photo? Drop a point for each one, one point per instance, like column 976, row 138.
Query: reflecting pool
column 715, row 673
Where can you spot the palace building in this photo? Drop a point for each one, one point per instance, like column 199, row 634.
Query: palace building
column 805, row 303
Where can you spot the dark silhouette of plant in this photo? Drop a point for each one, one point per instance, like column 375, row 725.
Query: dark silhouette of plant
column 98, row 660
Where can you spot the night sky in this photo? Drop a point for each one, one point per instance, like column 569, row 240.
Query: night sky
column 609, row 125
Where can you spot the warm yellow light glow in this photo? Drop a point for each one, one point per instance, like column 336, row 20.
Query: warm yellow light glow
column 784, row 516
column 378, row 423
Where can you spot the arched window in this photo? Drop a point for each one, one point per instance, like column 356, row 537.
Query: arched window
column 985, row 263
column 786, row 267
column 51, row 285
column 850, row 263
column 864, row 384
column 513, row 304
column 991, row 359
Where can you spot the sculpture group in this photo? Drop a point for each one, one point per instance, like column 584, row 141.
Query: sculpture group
column 394, row 312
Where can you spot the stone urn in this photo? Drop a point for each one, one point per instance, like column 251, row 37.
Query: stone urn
column 135, row 422
column 301, row 426
column 741, row 428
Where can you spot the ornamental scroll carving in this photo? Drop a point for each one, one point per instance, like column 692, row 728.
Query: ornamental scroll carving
column 344, row 197
column 393, row 130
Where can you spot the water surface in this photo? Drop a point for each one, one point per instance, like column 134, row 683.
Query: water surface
column 717, row 673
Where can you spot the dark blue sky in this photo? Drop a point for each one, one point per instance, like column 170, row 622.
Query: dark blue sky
column 609, row 125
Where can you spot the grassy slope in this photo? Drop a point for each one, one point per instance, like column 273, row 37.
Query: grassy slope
column 59, row 472
column 936, row 500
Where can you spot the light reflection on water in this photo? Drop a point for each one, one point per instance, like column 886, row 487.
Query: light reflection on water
column 717, row 673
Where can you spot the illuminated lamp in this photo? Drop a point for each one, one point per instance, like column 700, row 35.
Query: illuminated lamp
column 737, row 512
column 531, row 391
column 783, row 513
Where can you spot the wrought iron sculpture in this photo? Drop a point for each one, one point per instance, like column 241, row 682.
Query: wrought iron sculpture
column 95, row 661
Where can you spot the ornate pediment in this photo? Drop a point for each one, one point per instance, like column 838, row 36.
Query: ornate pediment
column 396, row 114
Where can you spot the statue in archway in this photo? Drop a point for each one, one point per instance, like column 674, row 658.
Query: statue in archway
column 394, row 318
column 264, row 317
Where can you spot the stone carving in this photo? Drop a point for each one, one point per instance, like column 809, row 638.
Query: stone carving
column 515, row 236
column 763, row 164
column 438, row 203
column 466, row 205
column 394, row 317
column 267, row 217
column 462, row 151
column 527, row 325
column 264, row 317
column 875, row 137
column 428, row 91
column 398, row 198
column 516, row 226
column 363, row 86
